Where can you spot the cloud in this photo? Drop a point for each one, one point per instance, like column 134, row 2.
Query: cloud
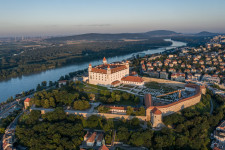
column 92, row 25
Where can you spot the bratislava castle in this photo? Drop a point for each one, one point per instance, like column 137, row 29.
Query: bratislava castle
column 107, row 74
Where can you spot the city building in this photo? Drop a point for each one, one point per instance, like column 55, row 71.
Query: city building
column 132, row 80
column 178, row 77
column 153, row 74
column 163, row 75
column 91, row 140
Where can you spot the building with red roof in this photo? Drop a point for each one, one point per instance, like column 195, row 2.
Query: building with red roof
column 27, row 103
column 103, row 147
column 132, row 80
column 107, row 74
column 156, row 117
column 91, row 139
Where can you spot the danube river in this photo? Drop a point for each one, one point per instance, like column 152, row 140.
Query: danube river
column 17, row 85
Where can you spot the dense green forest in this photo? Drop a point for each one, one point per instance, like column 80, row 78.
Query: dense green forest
column 75, row 96
column 189, row 129
column 56, row 131
column 71, row 94
column 40, row 59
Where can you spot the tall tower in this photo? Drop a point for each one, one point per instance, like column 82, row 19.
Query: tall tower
column 104, row 61
column 128, row 69
column 127, row 64
column 90, row 74
column 89, row 68
column 156, row 117
column 108, row 70
column 109, row 75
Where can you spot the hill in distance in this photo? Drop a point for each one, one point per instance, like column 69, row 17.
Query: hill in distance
column 206, row 33
column 116, row 36
column 161, row 33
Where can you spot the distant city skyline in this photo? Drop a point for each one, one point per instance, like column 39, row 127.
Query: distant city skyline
column 70, row 17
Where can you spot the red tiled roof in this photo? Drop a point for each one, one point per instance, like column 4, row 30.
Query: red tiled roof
column 27, row 100
column 132, row 79
column 115, row 107
column 113, row 70
column 103, row 147
column 92, row 137
column 148, row 100
column 97, row 70
column 89, row 64
column 115, row 82
column 104, row 59
column 123, row 67
column 156, row 111
column 178, row 75
column 216, row 148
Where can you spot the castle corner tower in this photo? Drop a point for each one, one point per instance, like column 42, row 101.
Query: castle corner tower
column 104, row 61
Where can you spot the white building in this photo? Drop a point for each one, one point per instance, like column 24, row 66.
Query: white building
column 106, row 74
column 91, row 140
column 133, row 80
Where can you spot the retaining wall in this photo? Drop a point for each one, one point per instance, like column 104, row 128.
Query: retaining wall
column 181, row 104
column 108, row 116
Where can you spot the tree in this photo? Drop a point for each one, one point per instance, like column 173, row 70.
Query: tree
column 147, row 137
column 136, row 139
column 123, row 134
column 50, row 83
column 46, row 103
column 118, row 98
column 81, row 105
column 2, row 130
column 44, row 83
column 126, row 96
column 130, row 110
column 140, row 112
column 103, row 109
column 92, row 121
column 137, row 100
column 135, row 122
column 52, row 102
column 38, row 87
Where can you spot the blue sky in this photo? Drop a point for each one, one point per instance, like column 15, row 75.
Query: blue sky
column 68, row 17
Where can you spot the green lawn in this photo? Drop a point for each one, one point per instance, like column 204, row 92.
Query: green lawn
column 155, row 85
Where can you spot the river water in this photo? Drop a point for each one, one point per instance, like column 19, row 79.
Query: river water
column 17, row 85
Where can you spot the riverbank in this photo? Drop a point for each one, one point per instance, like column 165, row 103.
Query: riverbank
column 25, row 83
column 42, row 59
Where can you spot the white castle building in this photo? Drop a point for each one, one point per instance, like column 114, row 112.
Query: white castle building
column 111, row 74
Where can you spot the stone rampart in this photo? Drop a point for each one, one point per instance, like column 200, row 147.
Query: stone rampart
column 84, row 114
column 181, row 104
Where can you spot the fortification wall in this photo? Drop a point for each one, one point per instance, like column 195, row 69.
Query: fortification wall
column 181, row 104
column 108, row 116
